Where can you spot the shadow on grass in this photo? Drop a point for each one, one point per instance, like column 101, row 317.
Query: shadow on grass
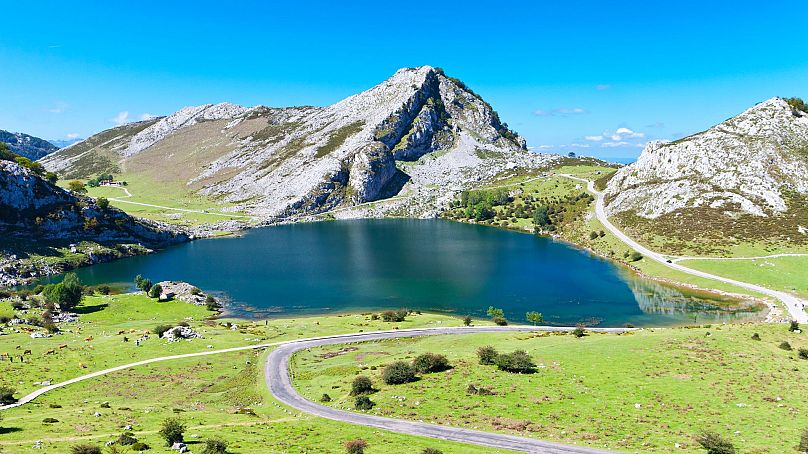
column 90, row 309
column 8, row 430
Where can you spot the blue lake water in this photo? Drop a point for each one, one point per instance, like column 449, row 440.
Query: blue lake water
column 429, row 265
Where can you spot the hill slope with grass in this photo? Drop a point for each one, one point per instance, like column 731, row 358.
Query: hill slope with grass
column 743, row 180
column 45, row 228
column 418, row 135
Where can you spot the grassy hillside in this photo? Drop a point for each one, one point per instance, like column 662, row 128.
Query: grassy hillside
column 643, row 392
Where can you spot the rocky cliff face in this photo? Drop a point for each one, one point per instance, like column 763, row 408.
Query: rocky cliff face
column 28, row 146
column 32, row 209
column 419, row 134
column 745, row 165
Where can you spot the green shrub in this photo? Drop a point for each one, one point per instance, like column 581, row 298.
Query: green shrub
column 756, row 336
column 397, row 373
column 500, row 321
column 794, row 326
column 785, row 346
column 7, row 395
column 518, row 361
column 715, row 443
column 467, row 321
column 356, row 446
column 394, row 316
column 126, row 439
column 363, row 403
column 102, row 203
column 139, row 446
column 488, row 355
column 430, row 362
column 215, row 446
column 634, row 256
column 160, row 329
column 797, row 105
column 431, row 451
column 85, row 449
column 579, row 331
column 325, row 398
column 803, row 447
column 803, row 353
column 50, row 420
column 361, row 385
column 172, row 431
column 155, row 291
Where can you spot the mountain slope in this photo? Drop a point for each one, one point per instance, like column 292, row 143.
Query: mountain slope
column 419, row 135
column 27, row 146
column 745, row 179
column 39, row 220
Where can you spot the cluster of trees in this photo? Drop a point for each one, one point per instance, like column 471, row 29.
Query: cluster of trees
column 145, row 285
column 172, row 431
column 96, row 180
column 797, row 105
column 7, row 155
column 517, row 361
column 479, row 205
column 395, row 316
column 66, row 294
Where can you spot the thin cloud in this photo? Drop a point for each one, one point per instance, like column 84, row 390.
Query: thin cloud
column 121, row 119
column 560, row 112
column 147, row 116
column 58, row 107
column 601, row 87
column 593, row 138
column 73, row 135
column 614, row 144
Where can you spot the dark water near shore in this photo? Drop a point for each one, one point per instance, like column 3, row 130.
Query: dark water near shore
column 430, row 265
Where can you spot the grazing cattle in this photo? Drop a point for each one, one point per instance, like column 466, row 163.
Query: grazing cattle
column 19, row 347
column 88, row 339
column 62, row 346
column 82, row 365
column 27, row 352
column 51, row 352
column 4, row 356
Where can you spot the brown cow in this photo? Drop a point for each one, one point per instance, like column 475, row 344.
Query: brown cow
column 27, row 352
column 51, row 352
column 63, row 346
column 88, row 339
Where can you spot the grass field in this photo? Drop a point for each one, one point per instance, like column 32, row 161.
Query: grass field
column 641, row 392
column 779, row 273
column 206, row 393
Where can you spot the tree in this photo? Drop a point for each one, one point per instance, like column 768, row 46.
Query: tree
column 66, row 294
column 467, row 320
column 541, row 217
column 397, row 373
column 172, row 431
column 77, row 187
column 51, row 177
column 518, row 361
column 215, row 446
column 395, row 316
column 155, row 291
column 430, row 362
column 7, row 395
column 534, row 317
column 494, row 312
column 142, row 283
column 361, row 385
column 715, row 443
column 356, row 446
column 102, row 202
column 488, row 355
column 363, row 403
column 794, row 326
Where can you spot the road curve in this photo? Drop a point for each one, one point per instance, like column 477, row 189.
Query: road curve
column 794, row 305
column 279, row 382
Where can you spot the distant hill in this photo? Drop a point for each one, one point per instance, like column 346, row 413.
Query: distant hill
column 30, row 147
column 62, row 143
column 419, row 135
column 745, row 179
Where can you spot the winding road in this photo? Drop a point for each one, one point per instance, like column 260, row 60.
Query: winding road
column 794, row 305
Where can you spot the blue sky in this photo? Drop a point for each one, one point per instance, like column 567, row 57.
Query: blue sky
column 599, row 78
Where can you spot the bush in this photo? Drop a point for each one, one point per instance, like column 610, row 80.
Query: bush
column 361, row 385
column 803, row 447
column 488, row 355
column 785, row 346
column 211, row 304
column 363, row 403
column 803, row 353
column 85, row 449
column 593, row 235
column 160, row 329
column 394, row 316
column 356, row 446
column 518, row 361
column 139, row 446
column 579, row 331
column 104, row 289
column 756, row 337
column 102, row 203
column 467, row 321
column 50, row 420
column 500, row 321
column 126, row 439
column 7, row 395
column 634, row 256
column 77, row 187
column 430, row 362
column 172, row 431
column 215, row 446
column 715, row 444
column 195, row 291
column 155, row 291
column 325, row 398
column 397, row 373
column 794, row 326
column 431, row 451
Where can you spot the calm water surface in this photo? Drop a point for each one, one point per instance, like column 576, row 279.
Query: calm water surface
column 431, row 265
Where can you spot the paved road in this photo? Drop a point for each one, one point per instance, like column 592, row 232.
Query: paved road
column 794, row 305
column 280, row 385
column 760, row 257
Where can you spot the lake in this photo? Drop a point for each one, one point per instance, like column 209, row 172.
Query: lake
column 428, row 265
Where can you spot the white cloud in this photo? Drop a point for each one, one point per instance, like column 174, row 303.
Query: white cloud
column 147, row 116
column 560, row 111
column 579, row 145
column 614, row 144
column 593, row 138
column 73, row 135
column 121, row 119
column 625, row 132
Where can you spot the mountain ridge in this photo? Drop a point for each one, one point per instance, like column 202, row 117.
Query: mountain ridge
column 26, row 145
